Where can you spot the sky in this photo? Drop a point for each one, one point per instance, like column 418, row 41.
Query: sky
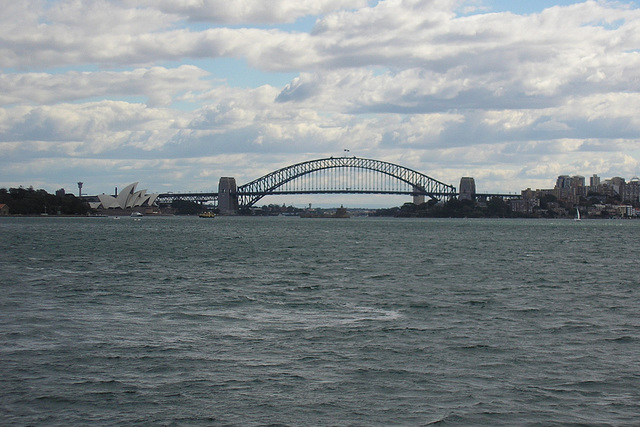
column 176, row 94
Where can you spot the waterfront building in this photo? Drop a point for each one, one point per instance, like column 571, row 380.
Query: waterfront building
column 518, row 205
column 525, row 205
column 625, row 210
column 128, row 198
column 529, row 202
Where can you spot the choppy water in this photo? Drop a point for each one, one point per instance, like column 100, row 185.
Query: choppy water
column 288, row 321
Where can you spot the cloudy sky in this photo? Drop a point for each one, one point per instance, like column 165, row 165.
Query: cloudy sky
column 175, row 94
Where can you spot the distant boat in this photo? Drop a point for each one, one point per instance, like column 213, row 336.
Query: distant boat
column 136, row 215
column 577, row 218
column 207, row 215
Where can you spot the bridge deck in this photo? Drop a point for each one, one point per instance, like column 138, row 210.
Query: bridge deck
column 167, row 198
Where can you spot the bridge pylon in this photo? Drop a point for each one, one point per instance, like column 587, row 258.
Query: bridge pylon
column 227, row 195
column 418, row 198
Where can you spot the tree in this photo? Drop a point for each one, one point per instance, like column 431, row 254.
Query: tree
column 23, row 201
column 184, row 207
column 497, row 207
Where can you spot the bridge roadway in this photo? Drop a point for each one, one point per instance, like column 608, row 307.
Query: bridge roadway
column 334, row 175
column 168, row 198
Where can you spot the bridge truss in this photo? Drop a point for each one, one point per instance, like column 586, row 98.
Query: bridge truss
column 343, row 175
column 168, row 198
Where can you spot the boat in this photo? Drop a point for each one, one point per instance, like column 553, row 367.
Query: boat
column 207, row 215
column 136, row 215
column 577, row 218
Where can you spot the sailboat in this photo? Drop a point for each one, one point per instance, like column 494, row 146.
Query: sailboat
column 577, row 218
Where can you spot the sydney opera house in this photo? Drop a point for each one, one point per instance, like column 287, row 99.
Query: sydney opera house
column 128, row 198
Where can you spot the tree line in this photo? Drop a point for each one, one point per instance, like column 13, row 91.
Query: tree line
column 496, row 207
column 27, row 201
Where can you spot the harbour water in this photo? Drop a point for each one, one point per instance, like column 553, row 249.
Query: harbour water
column 289, row 321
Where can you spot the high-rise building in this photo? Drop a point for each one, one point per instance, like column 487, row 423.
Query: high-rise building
column 570, row 188
column 631, row 192
column 577, row 181
column 577, row 184
column 563, row 181
column 615, row 185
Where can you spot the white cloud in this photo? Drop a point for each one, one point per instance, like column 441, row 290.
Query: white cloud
column 158, row 85
column 248, row 11
column 130, row 86
column 40, row 34
column 87, row 129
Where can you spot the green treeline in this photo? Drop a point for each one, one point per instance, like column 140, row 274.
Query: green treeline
column 184, row 207
column 454, row 208
column 27, row 201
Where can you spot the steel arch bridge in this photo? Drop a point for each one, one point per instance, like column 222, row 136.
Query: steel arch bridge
column 333, row 175
column 344, row 175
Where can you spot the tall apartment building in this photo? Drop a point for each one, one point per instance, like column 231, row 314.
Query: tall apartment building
column 614, row 186
column 563, row 181
column 631, row 191
column 570, row 188
column 577, row 181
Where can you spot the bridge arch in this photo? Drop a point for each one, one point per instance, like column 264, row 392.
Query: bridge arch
column 416, row 183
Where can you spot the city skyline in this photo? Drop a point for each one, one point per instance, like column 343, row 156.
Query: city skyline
column 177, row 95
column 576, row 190
column 593, row 182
